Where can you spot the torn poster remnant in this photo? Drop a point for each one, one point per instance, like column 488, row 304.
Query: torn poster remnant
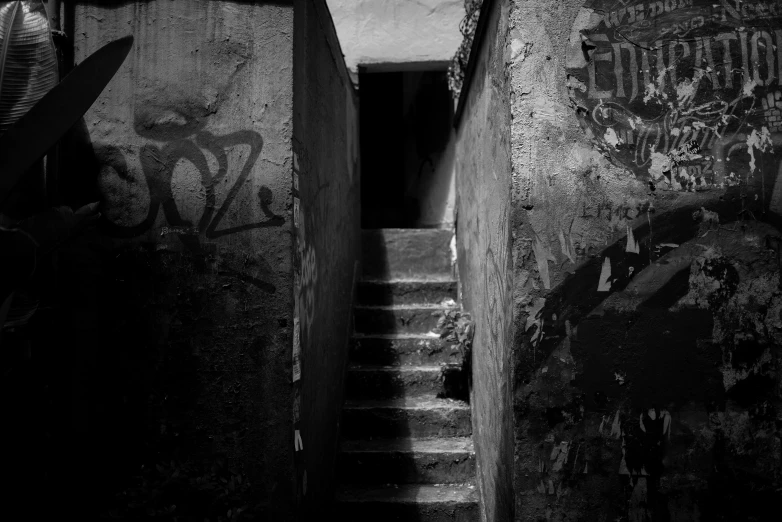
column 661, row 77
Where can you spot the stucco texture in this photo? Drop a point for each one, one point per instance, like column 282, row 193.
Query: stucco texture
column 397, row 31
column 483, row 190
column 192, row 142
column 647, row 382
column 325, row 132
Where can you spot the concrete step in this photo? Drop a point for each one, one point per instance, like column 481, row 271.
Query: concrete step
column 396, row 382
column 379, row 293
column 407, row 502
column 407, row 253
column 407, row 461
column 403, row 349
column 397, row 319
column 406, row 417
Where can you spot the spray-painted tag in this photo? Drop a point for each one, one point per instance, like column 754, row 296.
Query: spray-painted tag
column 296, row 351
column 296, row 212
column 296, row 405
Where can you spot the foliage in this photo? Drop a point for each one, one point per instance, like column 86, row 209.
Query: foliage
column 457, row 327
column 35, row 111
column 185, row 491
column 28, row 61
column 28, row 246
column 460, row 60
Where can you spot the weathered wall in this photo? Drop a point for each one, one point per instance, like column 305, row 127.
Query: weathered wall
column 326, row 189
column 192, row 139
column 646, row 293
column 406, row 149
column 429, row 148
column 397, row 32
column 406, row 35
column 483, row 189
column 438, row 191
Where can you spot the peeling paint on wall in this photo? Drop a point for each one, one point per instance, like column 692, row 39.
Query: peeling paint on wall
column 604, row 284
column 650, row 91
column 543, row 255
column 632, row 244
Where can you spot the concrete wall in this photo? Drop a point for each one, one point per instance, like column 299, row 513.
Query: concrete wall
column 438, row 191
column 483, row 190
column 646, row 295
column 192, row 139
column 406, row 35
column 325, row 132
column 433, row 180
column 397, row 32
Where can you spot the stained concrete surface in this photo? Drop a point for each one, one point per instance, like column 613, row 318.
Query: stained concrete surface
column 483, row 202
column 326, row 186
column 643, row 389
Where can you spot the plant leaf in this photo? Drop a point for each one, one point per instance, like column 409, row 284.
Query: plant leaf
column 28, row 62
column 5, row 306
column 38, row 130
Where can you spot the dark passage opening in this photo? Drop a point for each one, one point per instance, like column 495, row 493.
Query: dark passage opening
column 406, row 119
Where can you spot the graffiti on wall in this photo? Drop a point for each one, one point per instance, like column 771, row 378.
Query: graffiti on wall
column 158, row 164
column 306, row 276
column 649, row 383
column 681, row 92
column 158, row 167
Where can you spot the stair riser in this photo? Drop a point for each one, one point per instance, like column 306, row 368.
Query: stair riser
column 392, row 512
column 404, row 352
column 385, row 294
column 397, row 422
column 392, row 385
column 406, row 254
column 406, row 468
column 395, row 321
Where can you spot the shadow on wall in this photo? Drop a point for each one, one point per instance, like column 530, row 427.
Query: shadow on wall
column 665, row 344
column 131, row 206
column 437, row 191
column 405, row 137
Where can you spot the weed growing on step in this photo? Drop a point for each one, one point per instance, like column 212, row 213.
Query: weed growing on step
column 457, row 327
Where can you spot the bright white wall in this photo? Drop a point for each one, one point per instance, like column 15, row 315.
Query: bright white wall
column 397, row 31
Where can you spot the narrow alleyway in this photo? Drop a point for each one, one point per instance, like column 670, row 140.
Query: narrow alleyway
column 407, row 451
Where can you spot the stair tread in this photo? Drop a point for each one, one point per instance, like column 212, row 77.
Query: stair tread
column 407, row 445
column 410, row 493
column 394, row 336
column 427, row 279
column 410, row 306
column 444, row 278
column 422, row 230
column 395, row 368
column 407, row 403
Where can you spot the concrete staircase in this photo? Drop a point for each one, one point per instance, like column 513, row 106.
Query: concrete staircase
column 406, row 451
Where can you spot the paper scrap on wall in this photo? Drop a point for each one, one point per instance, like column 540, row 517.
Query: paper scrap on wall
column 296, row 350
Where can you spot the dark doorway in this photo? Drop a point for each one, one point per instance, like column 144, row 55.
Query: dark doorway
column 406, row 119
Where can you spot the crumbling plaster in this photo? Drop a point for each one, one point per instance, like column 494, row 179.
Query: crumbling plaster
column 483, row 200
column 647, row 382
column 559, row 178
column 192, row 143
